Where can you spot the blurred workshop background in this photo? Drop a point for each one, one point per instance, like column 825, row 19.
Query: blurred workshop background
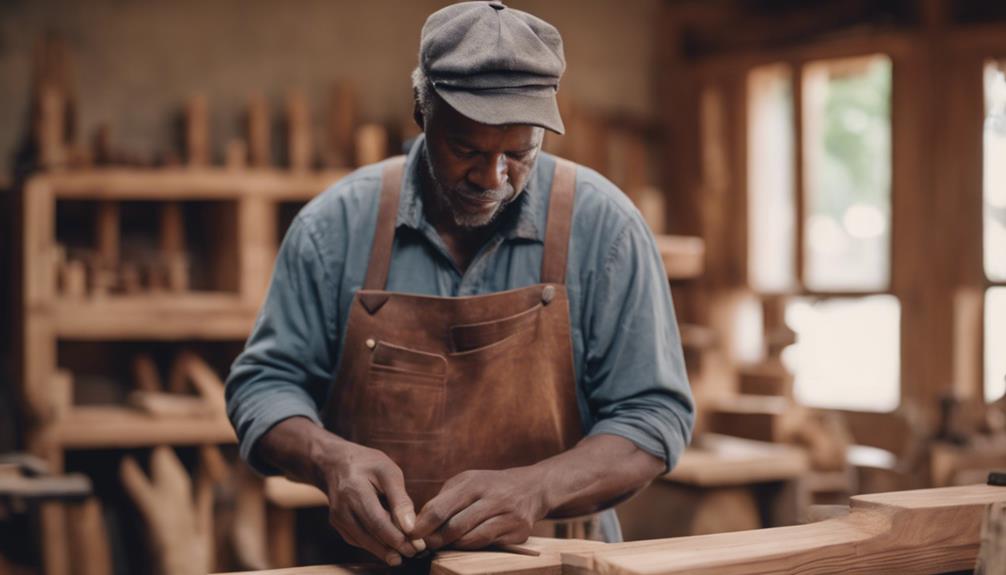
column 826, row 181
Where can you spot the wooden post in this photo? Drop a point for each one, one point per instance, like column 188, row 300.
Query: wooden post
column 237, row 154
column 89, row 549
column 51, row 127
column 107, row 232
column 259, row 147
column 298, row 126
column 341, row 125
column 173, row 248
column 197, row 132
column 371, row 144
column 992, row 554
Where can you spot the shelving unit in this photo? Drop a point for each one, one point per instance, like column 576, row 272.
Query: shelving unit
column 252, row 206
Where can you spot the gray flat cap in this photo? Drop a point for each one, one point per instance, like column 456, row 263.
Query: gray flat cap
column 494, row 64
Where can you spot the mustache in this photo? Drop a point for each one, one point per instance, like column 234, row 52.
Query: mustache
column 496, row 194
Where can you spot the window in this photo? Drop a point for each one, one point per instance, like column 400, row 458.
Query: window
column 847, row 350
column 847, row 155
column 830, row 246
column 771, row 189
column 994, row 178
column 995, row 343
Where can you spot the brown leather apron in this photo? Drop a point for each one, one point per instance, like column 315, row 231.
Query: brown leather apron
column 447, row 384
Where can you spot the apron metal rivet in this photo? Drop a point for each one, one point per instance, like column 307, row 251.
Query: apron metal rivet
column 547, row 294
column 370, row 343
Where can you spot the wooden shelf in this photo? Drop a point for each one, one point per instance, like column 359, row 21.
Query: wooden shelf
column 684, row 256
column 184, row 184
column 287, row 494
column 154, row 316
column 719, row 460
column 98, row 427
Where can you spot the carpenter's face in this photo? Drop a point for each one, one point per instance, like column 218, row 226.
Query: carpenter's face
column 478, row 169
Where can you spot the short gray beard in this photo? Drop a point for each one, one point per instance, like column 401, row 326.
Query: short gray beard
column 462, row 219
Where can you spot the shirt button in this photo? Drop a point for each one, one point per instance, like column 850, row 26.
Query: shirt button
column 547, row 294
column 370, row 343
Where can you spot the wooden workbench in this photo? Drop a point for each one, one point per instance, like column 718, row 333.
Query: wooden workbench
column 922, row 531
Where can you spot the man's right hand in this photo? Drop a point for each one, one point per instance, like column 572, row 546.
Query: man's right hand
column 368, row 504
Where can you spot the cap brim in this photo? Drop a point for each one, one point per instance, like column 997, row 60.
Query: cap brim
column 536, row 106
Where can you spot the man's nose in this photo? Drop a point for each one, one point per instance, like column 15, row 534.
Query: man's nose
column 490, row 173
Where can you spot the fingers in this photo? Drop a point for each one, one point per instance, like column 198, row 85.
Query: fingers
column 460, row 524
column 392, row 484
column 498, row 530
column 351, row 529
column 447, row 503
column 376, row 521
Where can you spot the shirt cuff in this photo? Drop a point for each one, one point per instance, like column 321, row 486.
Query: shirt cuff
column 258, row 424
column 665, row 446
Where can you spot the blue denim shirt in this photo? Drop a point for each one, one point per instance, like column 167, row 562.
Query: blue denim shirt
column 630, row 369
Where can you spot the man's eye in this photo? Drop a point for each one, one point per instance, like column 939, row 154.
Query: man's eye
column 519, row 155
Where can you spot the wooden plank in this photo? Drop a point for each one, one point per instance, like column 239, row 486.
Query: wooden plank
column 167, row 184
column 282, row 492
column 757, row 417
column 924, row 531
column 171, row 405
column 98, row 427
column 311, row 570
column 720, row 460
column 46, row 487
column 155, row 316
column 683, row 256
column 536, row 556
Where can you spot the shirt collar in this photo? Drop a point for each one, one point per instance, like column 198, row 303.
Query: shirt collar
column 523, row 219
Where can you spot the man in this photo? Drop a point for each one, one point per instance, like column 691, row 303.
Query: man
column 480, row 331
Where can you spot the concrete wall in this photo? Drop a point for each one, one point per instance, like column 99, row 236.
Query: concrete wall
column 136, row 61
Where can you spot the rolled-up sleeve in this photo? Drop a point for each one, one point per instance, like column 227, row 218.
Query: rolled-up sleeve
column 635, row 378
column 287, row 363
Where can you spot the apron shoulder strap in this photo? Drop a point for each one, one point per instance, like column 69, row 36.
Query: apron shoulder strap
column 560, row 220
column 384, row 231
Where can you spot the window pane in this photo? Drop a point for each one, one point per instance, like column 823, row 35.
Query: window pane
column 847, row 154
column 995, row 170
column 772, row 210
column 995, row 343
column 847, row 352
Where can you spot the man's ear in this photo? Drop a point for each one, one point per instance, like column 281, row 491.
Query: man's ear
column 417, row 112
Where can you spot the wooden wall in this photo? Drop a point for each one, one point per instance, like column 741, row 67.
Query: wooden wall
column 937, row 49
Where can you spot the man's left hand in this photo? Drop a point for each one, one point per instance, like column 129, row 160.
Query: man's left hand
column 475, row 509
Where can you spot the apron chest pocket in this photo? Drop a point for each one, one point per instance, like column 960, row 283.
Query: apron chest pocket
column 406, row 393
